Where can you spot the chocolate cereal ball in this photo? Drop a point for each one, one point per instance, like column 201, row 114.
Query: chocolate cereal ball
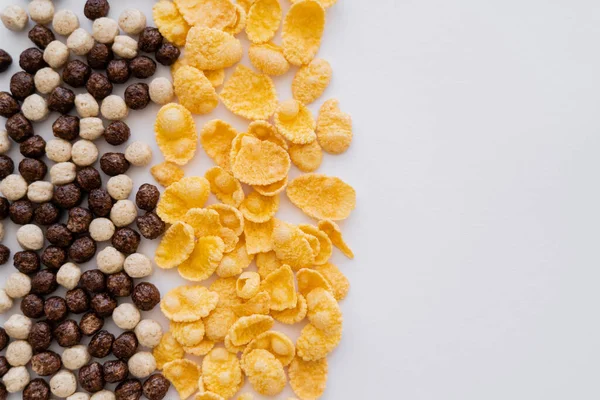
column 95, row 9
column 4, row 206
column 117, row 132
column 43, row 282
column 21, row 212
column 59, row 235
column 3, row 391
column 131, row 389
column 76, row 73
column 119, row 284
column 27, row 261
column 19, row 128
column 156, row 387
column 4, row 254
column 147, row 197
column 46, row 363
column 115, row 371
column 125, row 346
column 149, row 40
column 142, row 67
column 137, row 96
column 99, row 86
column 79, row 219
column 32, row 306
column 22, row 85
column 66, row 127
column 32, row 169
column 34, row 147
column 7, row 166
column 67, row 196
column 40, row 336
column 101, row 344
column 55, row 309
column 88, row 178
column 4, row 366
column 113, row 164
column 53, row 257
column 150, row 225
column 94, row 281
column 46, row 214
column 61, row 100
column 90, row 323
column 8, row 105
column 100, row 202
column 37, row 389
column 91, row 377
column 5, row 60
column 4, row 339
column 67, row 333
column 145, row 296
column 103, row 304
column 41, row 36
column 32, row 60
column 82, row 250
column 99, row 56
column 77, row 300
column 126, row 240
column 167, row 53
column 118, row 71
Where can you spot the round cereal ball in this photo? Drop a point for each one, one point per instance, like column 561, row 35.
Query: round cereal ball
column 68, row 276
column 138, row 265
column 40, row 191
column 41, row 36
column 63, row 383
column 5, row 142
column 161, row 91
column 63, row 173
column 14, row 18
column 13, row 187
column 19, row 353
column 35, row 108
column 126, row 316
column 65, row 22
column 84, row 153
column 110, row 260
column 132, row 21
column 80, row 42
column 46, row 80
column 142, row 364
column 86, row 106
column 102, row 229
column 91, row 128
column 30, row 237
column 58, row 150
column 56, row 54
column 138, row 154
column 125, row 47
column 114, row 108
column 119, row 187
column 41, row 11
column 75, row 357
column 104, row 30
column 148, row 333
column 123, row 213
column 16, row 379
column 79, row 396
column 18, row 326
column 5, row 301
column 18, row 285
column 103, row 395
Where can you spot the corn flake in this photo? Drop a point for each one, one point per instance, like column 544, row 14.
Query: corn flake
column 302, row 31
column 200, row 349
column 338, row 281
column 230, row 239
column 231, row 347
column 309, row 279
column 311, row 80
column 308, row 378
column 272, row 189
column 182, row 196
column 225, row 187
column 240, row 21
column 184, row 375
column 210, row 13
column 260, row 163
column 266, row 263
column 194, row 90
column 281, row 288
column 208, row 396
column 188, row 303
column 175, row 247
column 263, row 20
column 324, row 311
column 334, row 128
column 295, row 122
column 265, row 372
column 204, row 260
column 175, row 132
column 217, row 324
column 170, row 22
column 325, row 245
column 258, row 208
column 182, row 61
column 204, row 222
column 292, row 246
column 294, row 315
column 212, row 49
column 168, row 350
column 235, row 262
column 314, row 344
column 245, row 4
column 215, row 77
column 247, row 284
column 249, row 94
column 188, row 334
column 334, row 232
column 263, row 130
column 307, row 157
column 268, row 58
column 322, row 197
column 246, row 396
column 226, row 289
column 166, row 173
column 314, row 244
column 324, row 3
column 247, row 328
column 259, row 304
column 276, row 343
column 216, row 138
column 221, row 372
column 230, row 216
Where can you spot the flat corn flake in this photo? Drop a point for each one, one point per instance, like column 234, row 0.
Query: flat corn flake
column 210, row 13
column 292, row 246
column 302, row 31
column 276, row 343
column 208, row 396
column 249, row 94
column 189, row 192
column 230, row 217
column 218, row 323
column 259, row 304
column 322, row 197
column 308, row 378
column 166, row 173
column 204, row 222
column 334, row 232
column 260, row 163
column 216, row 138
column 212, row 49
column 234, row 262
column 188, row 334
column 265, row 372
column 247, row 284
column 194, row 90
column 225, row 187
column 311, row 80
column 184, row 375
column 281, row 288
column 225, row 288
column 325, row 245
column 221, row 373
column 168, row 350
column 170, row 22
column 309, row 279
column 175, row 246
column 307, row 157
column 231, row 347
column 258, row 208
column 294, row 315
column 175, row 132
column 324, row 311
column 215, row 77
column 268, row 58
column 295, row 122
column 188, row 303
column 334, row 128
column 266, row 263
column 264, row 18
column 338, row 281
column 272, row 189
column 240, row 21
column 247, row 328
column 200, row 349
column 263, row 130
column 204, row 260
column 314, row 344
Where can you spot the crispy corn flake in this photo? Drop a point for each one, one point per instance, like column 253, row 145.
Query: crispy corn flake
column 212, row 49
column 302, row 31
column 175, row 132
column 218, row 323
column 235, row 262
column 216, row 138
column 308, row 378
column 334, row 128
column 265, row 372
column 259, row 304
column 225, row 288
column 309, row 279
column 334, row 232
column 314, row 344
column 324, row 3
column 168, row 350
column 240, row 21
column 182, row 61
column 230, row 239
column 295, row 122
column 268, row 58
column 236, row 144
column 230, row 216
column 204, row 260
column 189, row 192
column 246, row 396
column 294, row 315
column 311, row 80
column 247, row 284
column 276, row 343
column 325, row 245
column 188, row 303
column 167, row 173
column 324, row 311
column 175, row 246
column 249, row 94
column 264, row 18
column 210, row 13
column 216, row 77
column 200, row 349
column 170, row 22
column 314, row 244
column 263, row 130
column 224, row 186
column 338, row 281
column 245, row 4
column 307, row 157
column 281, row 288
column 194, row 90
column 258, row 208
column 260, row 163
column 231, row 347
column 266, row 263
column 322, row 197
column 208, row 396
column 184, row 375
column 221, row 373
column 291, row 245
column 272, row 189
column 188, row 334
column 204, row 222
column 247, row 328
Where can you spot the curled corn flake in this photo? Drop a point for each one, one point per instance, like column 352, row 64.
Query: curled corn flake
column 217, row 324
column 268, row 58
column 309, row 279
column 311, row 80
column 231, row 347
column 276, row 343
column 308, row 378
column 175, row 132
column 249, row 94
column 194, row 90
column 233, row 263
column 247, row 284
column 204, row 260
column 259, row 304
column 230, row 216
column 225, row 288
column 182, row 196
column 324, row 311
column 280, row 286
column 169, row 22
column 272, row 189
column 263, row 20
column 295, row 122
column 240, row 21
column 184, row 375
column 266, row 263
column 258, row 236
column 168, row 350
column 263, row 130
column 259, row 208
column 221, row 372
column 225, row 187
column 167, row 173
column 215, row 77
column 260, row 163
column 200, row 349
column 294, row 315
column 212, row 49
column 247, row 328
column 291, row 245
column 175, row 247
column 236, row 144
column 334, row 232
column 336, row 278
column 314, row 344
column 322, row 197
column 208, row 396
column 245, row 4
column 230, row 239
column 265, row 372
column 210, row 13
column 188, row 334
column 334, row 128
column 188, row 303
column 325, row 245
column 307, row 157
column 302, row 31
column 204, row 222
column 314, row 244
column 216, row 138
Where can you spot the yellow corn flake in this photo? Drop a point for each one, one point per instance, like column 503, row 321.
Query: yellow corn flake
column 188, row 334
column 314, row 244
column 302, row 31
column 325, row 245
column 225, row 187
column 231, row 347
column 210, row 13
column 204, row 222
column 307, row 157
column 170, row 22
column 216, row 138
column 182, row 196
column 168, row 350
column 334, row 232
column 188, row 303
column 294, row 315
column 245, row 4
column 212, row 49
column 280, row 286
column 230, row 239
column 225, row 288
column 273, row 189
column 324, row 311
column 263, row 130
column 268, row 58
column 276, row 343
column 259, row 304
column 194, row 90
column 175, row 132
column 246, row 396
column 208, row 396
column 311, row 81
column 322, row 197
column 265, row 372
column 260, row 163
column 235, row 262
column 182, row 61
column 247, row 328
column 217, row 324
column 236, row 144
column 247, row 284
column 295, row 122
column 216, row 77
column 230, row 216
column 175, row 246
column 263, row 20
column 308, row 378
column 291, row 245
column 324, row 3
column 184, row 375
column 338, row 281
column 249, row 94
column 167, row 173
column 258, row 208
column 200, row 349
column 314, row 344
column 266, row 263
column 221, row 372
column 204, row 260
column 240, row 21
column 309, row 279
column 334, row 128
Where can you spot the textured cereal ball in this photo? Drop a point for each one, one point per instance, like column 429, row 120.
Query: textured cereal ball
column 40, row 191
column 55, row 309
column 142, row 67
column 67, row 333
column 37, row 389
column 32, row 60
column 83, row 249
column 99, row 56
column 41, row 36
column 138, row 265
column 76, row 73
column 40, row 337
column 145, row 296
column 86, row 107
column 148, row 333
column 21, row 85
column 142, row 364
column 75, row 357
column 59, row 235
column 68, row 276
column 167, row 53
column 117, row 133
column 63, row 173
column 5, row 301
column 61, row 100
column 13, row 187
column 35, row 108
column 5, row 143
column 91, row 377
column 138, row 154
column 119, row 187
column 88, row 179
column 91, row 128
column 126, row 316
column 41, row 11
column 78, row 301
column 30, row 237
column 65, row 22
column 19, row 128
column 45, row 363
column 32, row 306
column 123, row 213
column 103, row 395
column 114, row 108
column 66, row 127
column 137, row 96
column 147, row 197
column 150, row 225
column 79, row 220
column 115, row 371
column 67, row 196
column 53, row 257
column 32, row 169
column 100, row 202
column 125, row 47
column 119, row 284
column 110, row 260
column 8, row 105
column 17, row 285
column 126, row 240
column 80, row 42
column 56, row 54
column 21, row 212
column 161, row 91
column 43, row 282
column 46, row 80
column 94, row 9
column 18, row 326
column 34, row 147
column 84, row 153
column 118, row 71
column 63, row 384
column 156, row 387
column 79, row 396
column 7, row 166
column 27, row 261
column 132, row 21
column 102, row 229
column 58, row 150
column 14, row 18
column 18, row 353
column 16, row 379
column 104, row 30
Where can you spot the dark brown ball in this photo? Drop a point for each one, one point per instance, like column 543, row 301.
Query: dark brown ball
column 167, row 53
column 4, row 254
column 82, row 250
column 91, row 377
column 43, row 282
column 41, row 36
column 67, row 196
column 125, row 346
column 94, row 281
column 142, row 67
column 46, row 214
column 5, row 60
column 4, row 339
column 66, row 127
column 27, row 261
column 59, row 235
column 53, row 257
column 37, row 389
column 117, row 133
column 156, row 387
column 67, row 333
column 149, row 40
column 21, row 212
column 91, row 323
column 4, row 207
column 79, row 220
column 100, row 202
column 137, row 96
column 88, row 178
column 40, row 336
column 119, row 284
column 95, row 9
column 118, row 71
column 61, row 100
column 32, row 169
column 101, row 344
column 7, row 166
column 115, row 371
column 55, row 309
column 99, row 56
column 22, row 85
column 131, row 389
column 99, row 86
column 76, row 73
column 32, row 60
column 34, row 147
column 145, row 296
column 4, row 366
column 77, row 300
column 150, row 225
column 126, row 240
column 3, row 392
column 8, row 105
column 46, row 363
column 19, row 128
column 147, row 197
column 113, row 164
column 103, row 304
column 32, row 306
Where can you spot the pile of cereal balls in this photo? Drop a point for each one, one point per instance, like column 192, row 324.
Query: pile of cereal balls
column 65, row 207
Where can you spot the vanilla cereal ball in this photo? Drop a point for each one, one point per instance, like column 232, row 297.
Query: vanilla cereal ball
column 30, row 237
column 18, row 326
column 86, row 106
column 4, row 142
column 40, row 191
column 91, row 128
column 125, row 47
column 13, row 187
column 46, row 80
column 102, row 229
column 18, row 285
column 103, row 395
column 142, row 364
column 104, row 30
column 126, row 316
column 138, row 154
column 63, row 384
column 58, row 150
column 113, row 108
column 19, row 353
column 63, row 173
column 68, row 275
column 14, row 18
column 75, row 357
column 123, row 213
column 65, row 22
column 84, row 153
column 161, row 91
column 56, row 54
column 5, row 302
column 79, row 396
column 16, row 379
column 110, row 260
column 119, row 187
column 132, row 21
column 137, row 265
column 80, row 42
column 41, row 11
column 148, row 333
column 35, row 108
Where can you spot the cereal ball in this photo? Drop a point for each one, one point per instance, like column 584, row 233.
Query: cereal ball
column 56, row 54
column 68, row 276
column 32, row 60
column 145, row 296
column 100, row 202
column 21, row 212
column 147, row 197
column 45, row 363
column 76, row 73
column 119, row 284
column 13, row 187
column 63, row 173
column 41, row 36
column 84, row 153
column 66, row 127
column 78, row 301
column 67, row 333
column 40, row 191
column 102, row 229
column 148, row 333
column 137, row 96
column 79, row 220
column 5, row 301
column 142, row 364
column 150, row 225
column 88, row 178
column 75, row 357
column 27, row 261
column 114, row 108
column 103, row 395
column 104, row 30
column 91, row 323
column 46, row 214
column 43, row 282
column 58, row 150
column 123, row 213
column 53, row 257
column 18, row 326
column 41, row 11
column 5, row 142
column 118, row 71
column 91, row 376
column 82, row 250
column 18, row 285
column 115, row 371
column 125, row 346
column 7, row 166
column 86, row 107
column 37, row 389
column 32, row 170
column 91, row 128
column 167, row 54
column 110, row 260
column 125, row 47
column 61, row 100
column 94, row 9
column 16, row 379
column 119, row 187
column 138, row 154
column 8, row 105
column 80, row 42
column 35, row 108
column 30, row 237
column 156, row 387
column 14, row 18
column 18, row 353
column 161, row 91
column 126, row 240
column 32, row 306
column 99, row 56
column 132, row 21
column 65, row 22
column 137, row 265
column 79, row 396
column 63, row 384
column 55, row 309
column 19, row 128
column 117, row 133
column 126, row 316
column 67, row 196
column 59, row 235
column 46, row 80
column 5, row 60
column 142, row 67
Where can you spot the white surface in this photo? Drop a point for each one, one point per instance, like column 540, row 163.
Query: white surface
column 475, row 161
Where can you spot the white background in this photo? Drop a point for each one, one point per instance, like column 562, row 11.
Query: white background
column 475, row 160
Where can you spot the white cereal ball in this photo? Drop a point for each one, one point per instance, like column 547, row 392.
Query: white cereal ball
column 63, row 173
column 161, row 91
column 110, row 260
column 65, row 22
column 125, row 47
column 119, row 187
column 14, row 18
column 126, row 316
column 123, row 213
column 113, row 108
column 46, row 80
column 58, row 150
column 35, row 108
column 138, row 154
column 104, row 30
column 132, row 21
column 103, row 395
column 86, row 106
column 13, row 187
column 16, row 379
column 79, row 396
column 148, row 333
column 19, row 353
column 75, row 357
column 80, row 42
column 84, row 153
column 5, row 301
column 18, row 285
column 40, row 191
column 5, row 142
column 102, row 229
column 137, row 265
column 56, row 54
column 63, row 384
column 91, row 128
column 41, row 11
column 30, row 237
column 68, row 276
column 142, row 364
column 18, row 326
